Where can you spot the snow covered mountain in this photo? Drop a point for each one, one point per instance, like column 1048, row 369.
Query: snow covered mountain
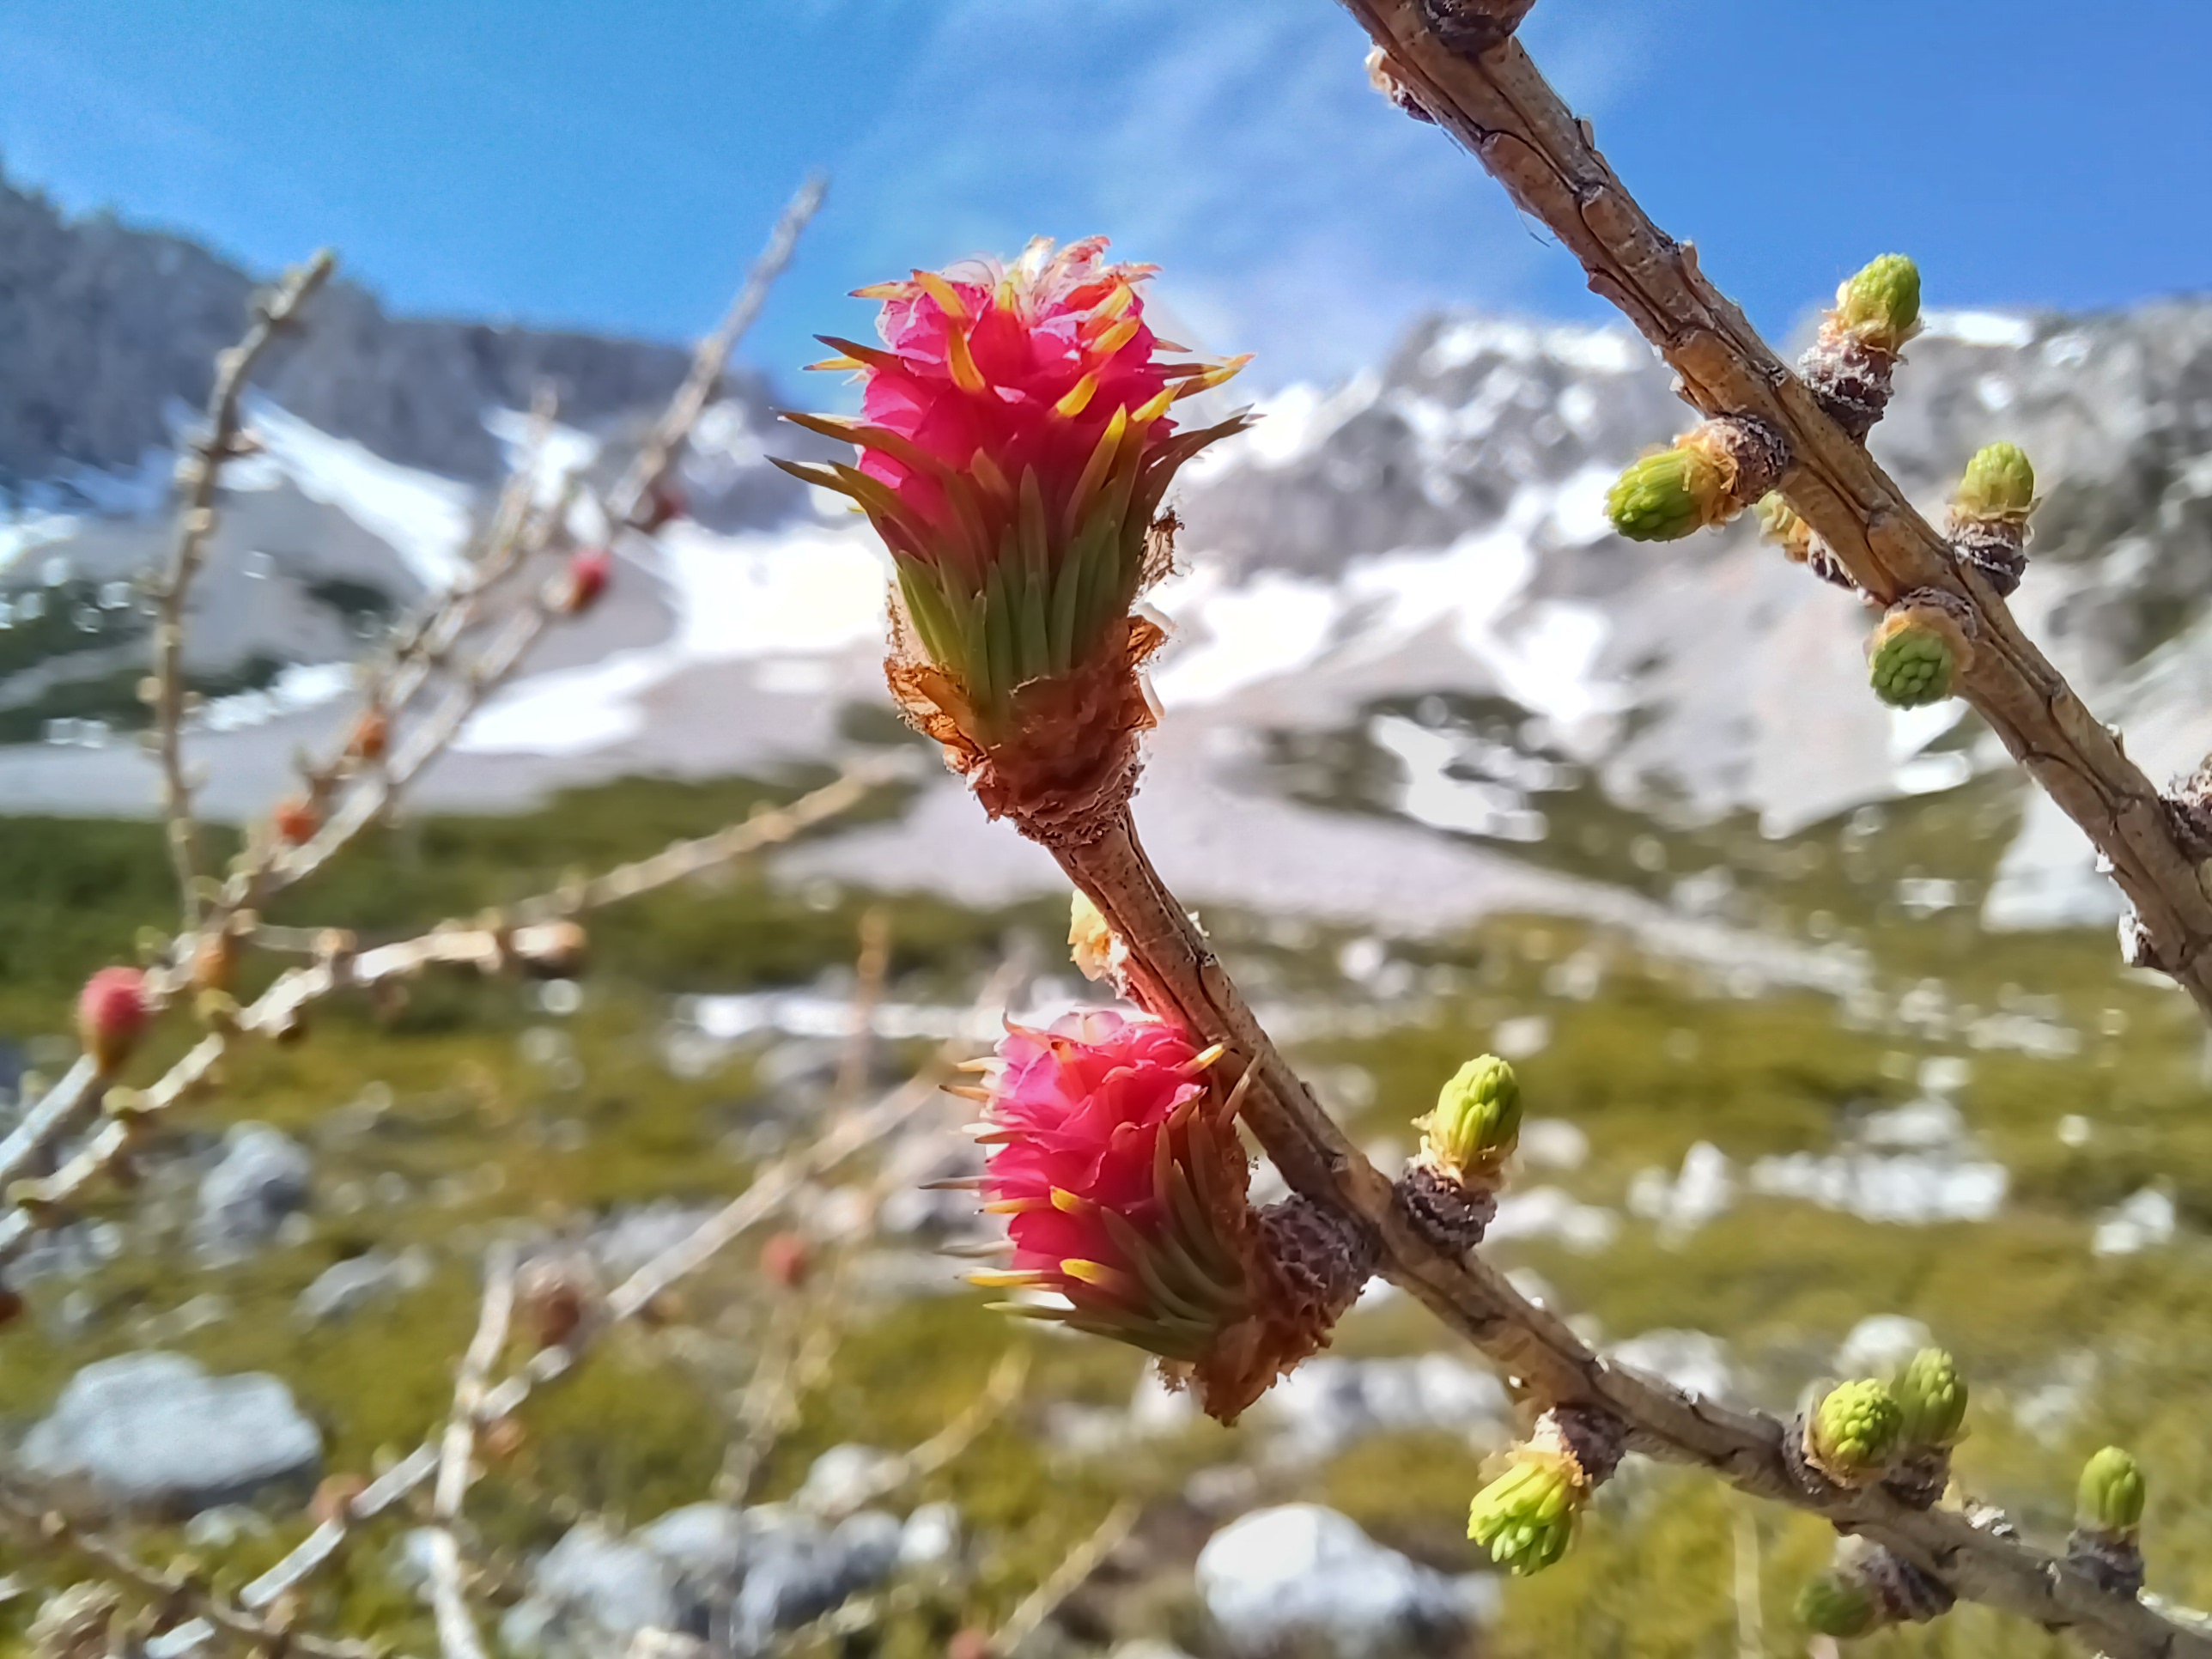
column 1408, row 651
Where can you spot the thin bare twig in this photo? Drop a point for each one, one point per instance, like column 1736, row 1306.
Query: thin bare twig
column 1069, row 1577
column 275, row 311
column 664, row 447
column 769, row 1192
column 40, row 1526
column 458, row 1636
column 540, row 937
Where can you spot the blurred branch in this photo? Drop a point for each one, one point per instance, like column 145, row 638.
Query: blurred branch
column 1069, row 1577
column 41, row 1528
column 664, row 447
column 774, row 1188
column 275, row 311
column 456, row 1628
column 552, row 944
column 1496, row 104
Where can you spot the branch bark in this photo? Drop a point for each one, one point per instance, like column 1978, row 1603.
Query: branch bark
column 457, row 1635
column 1173, row 973
column 274, row 312
column 1498, row 105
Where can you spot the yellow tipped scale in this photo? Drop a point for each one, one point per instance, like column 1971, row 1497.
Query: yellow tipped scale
column 968, row 1091
column 1110, row 308
column 1206, row 378
column 1023, row 1278
column 962, row 361
column 1102, row 1276
column 1018, row 1206
column 1078, row 397
column 1154, row 407
column 1116, row 337
column 947, row 297
column 831, row 365
column 1200, row 1061
column 891, row 290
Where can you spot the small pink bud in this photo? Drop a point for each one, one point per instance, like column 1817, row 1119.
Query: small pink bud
column 589, row 569
column 110, row 1015
column 295, row 822
column 785, row 1257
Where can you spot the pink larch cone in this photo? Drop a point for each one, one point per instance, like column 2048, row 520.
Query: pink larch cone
column 1116, row 1163
column 1016, row 441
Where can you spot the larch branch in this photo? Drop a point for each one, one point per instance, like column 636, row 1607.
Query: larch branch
column 224, row 438
column 1498, row 105
column 1173, row 973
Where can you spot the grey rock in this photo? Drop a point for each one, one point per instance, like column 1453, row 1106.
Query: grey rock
column 345, row 1287
column 154, row 1429
column 931, row 1537
column 1305, row 1579
column 699, row 1569
column 844, row 1478
column 1330, row 1402
column 263, row 1176
column 589, row 1588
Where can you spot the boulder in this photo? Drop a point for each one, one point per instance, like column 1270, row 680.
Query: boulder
column 1306, row 1580
column 263, row 1176
column 155, row 1430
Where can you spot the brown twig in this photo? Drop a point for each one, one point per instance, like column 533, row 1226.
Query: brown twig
column 458, row 1636
column 769, row 1192
column 1070, row 1576
column 42, row 1526
column 275, row 311
column 664, row 447
column 1174, row 972
column 539, row 934
column 1498, row 105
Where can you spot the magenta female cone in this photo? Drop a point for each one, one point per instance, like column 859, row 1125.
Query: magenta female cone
column 1016, row 438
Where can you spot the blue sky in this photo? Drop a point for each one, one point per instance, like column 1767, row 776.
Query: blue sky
column 613, row 164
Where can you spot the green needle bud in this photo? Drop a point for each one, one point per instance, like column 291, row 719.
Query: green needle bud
column 1669, row 494
column 1852, row 1437
column 1839, row 1605
column 1527, row 1517
column 2000, row 483
column 2112, row 1494
column 1477, row 1121
column 1917, row 655
column 1880, row 306
column 1932, row 1397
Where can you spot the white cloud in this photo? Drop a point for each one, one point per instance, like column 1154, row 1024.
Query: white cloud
column 1238, row 145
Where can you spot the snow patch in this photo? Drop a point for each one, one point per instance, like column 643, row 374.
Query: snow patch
column 1978, row 328
column 1591, row 351
column 420, row 516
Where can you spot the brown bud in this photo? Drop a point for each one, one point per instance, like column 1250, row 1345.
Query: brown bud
column 785, row 1258
column 334, row 1499
column 552, row 950
column 970, row 1644
column 295, row 821
column 372, row 733
column 215, row 961
column 555, row 1298
column 502, row 1439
